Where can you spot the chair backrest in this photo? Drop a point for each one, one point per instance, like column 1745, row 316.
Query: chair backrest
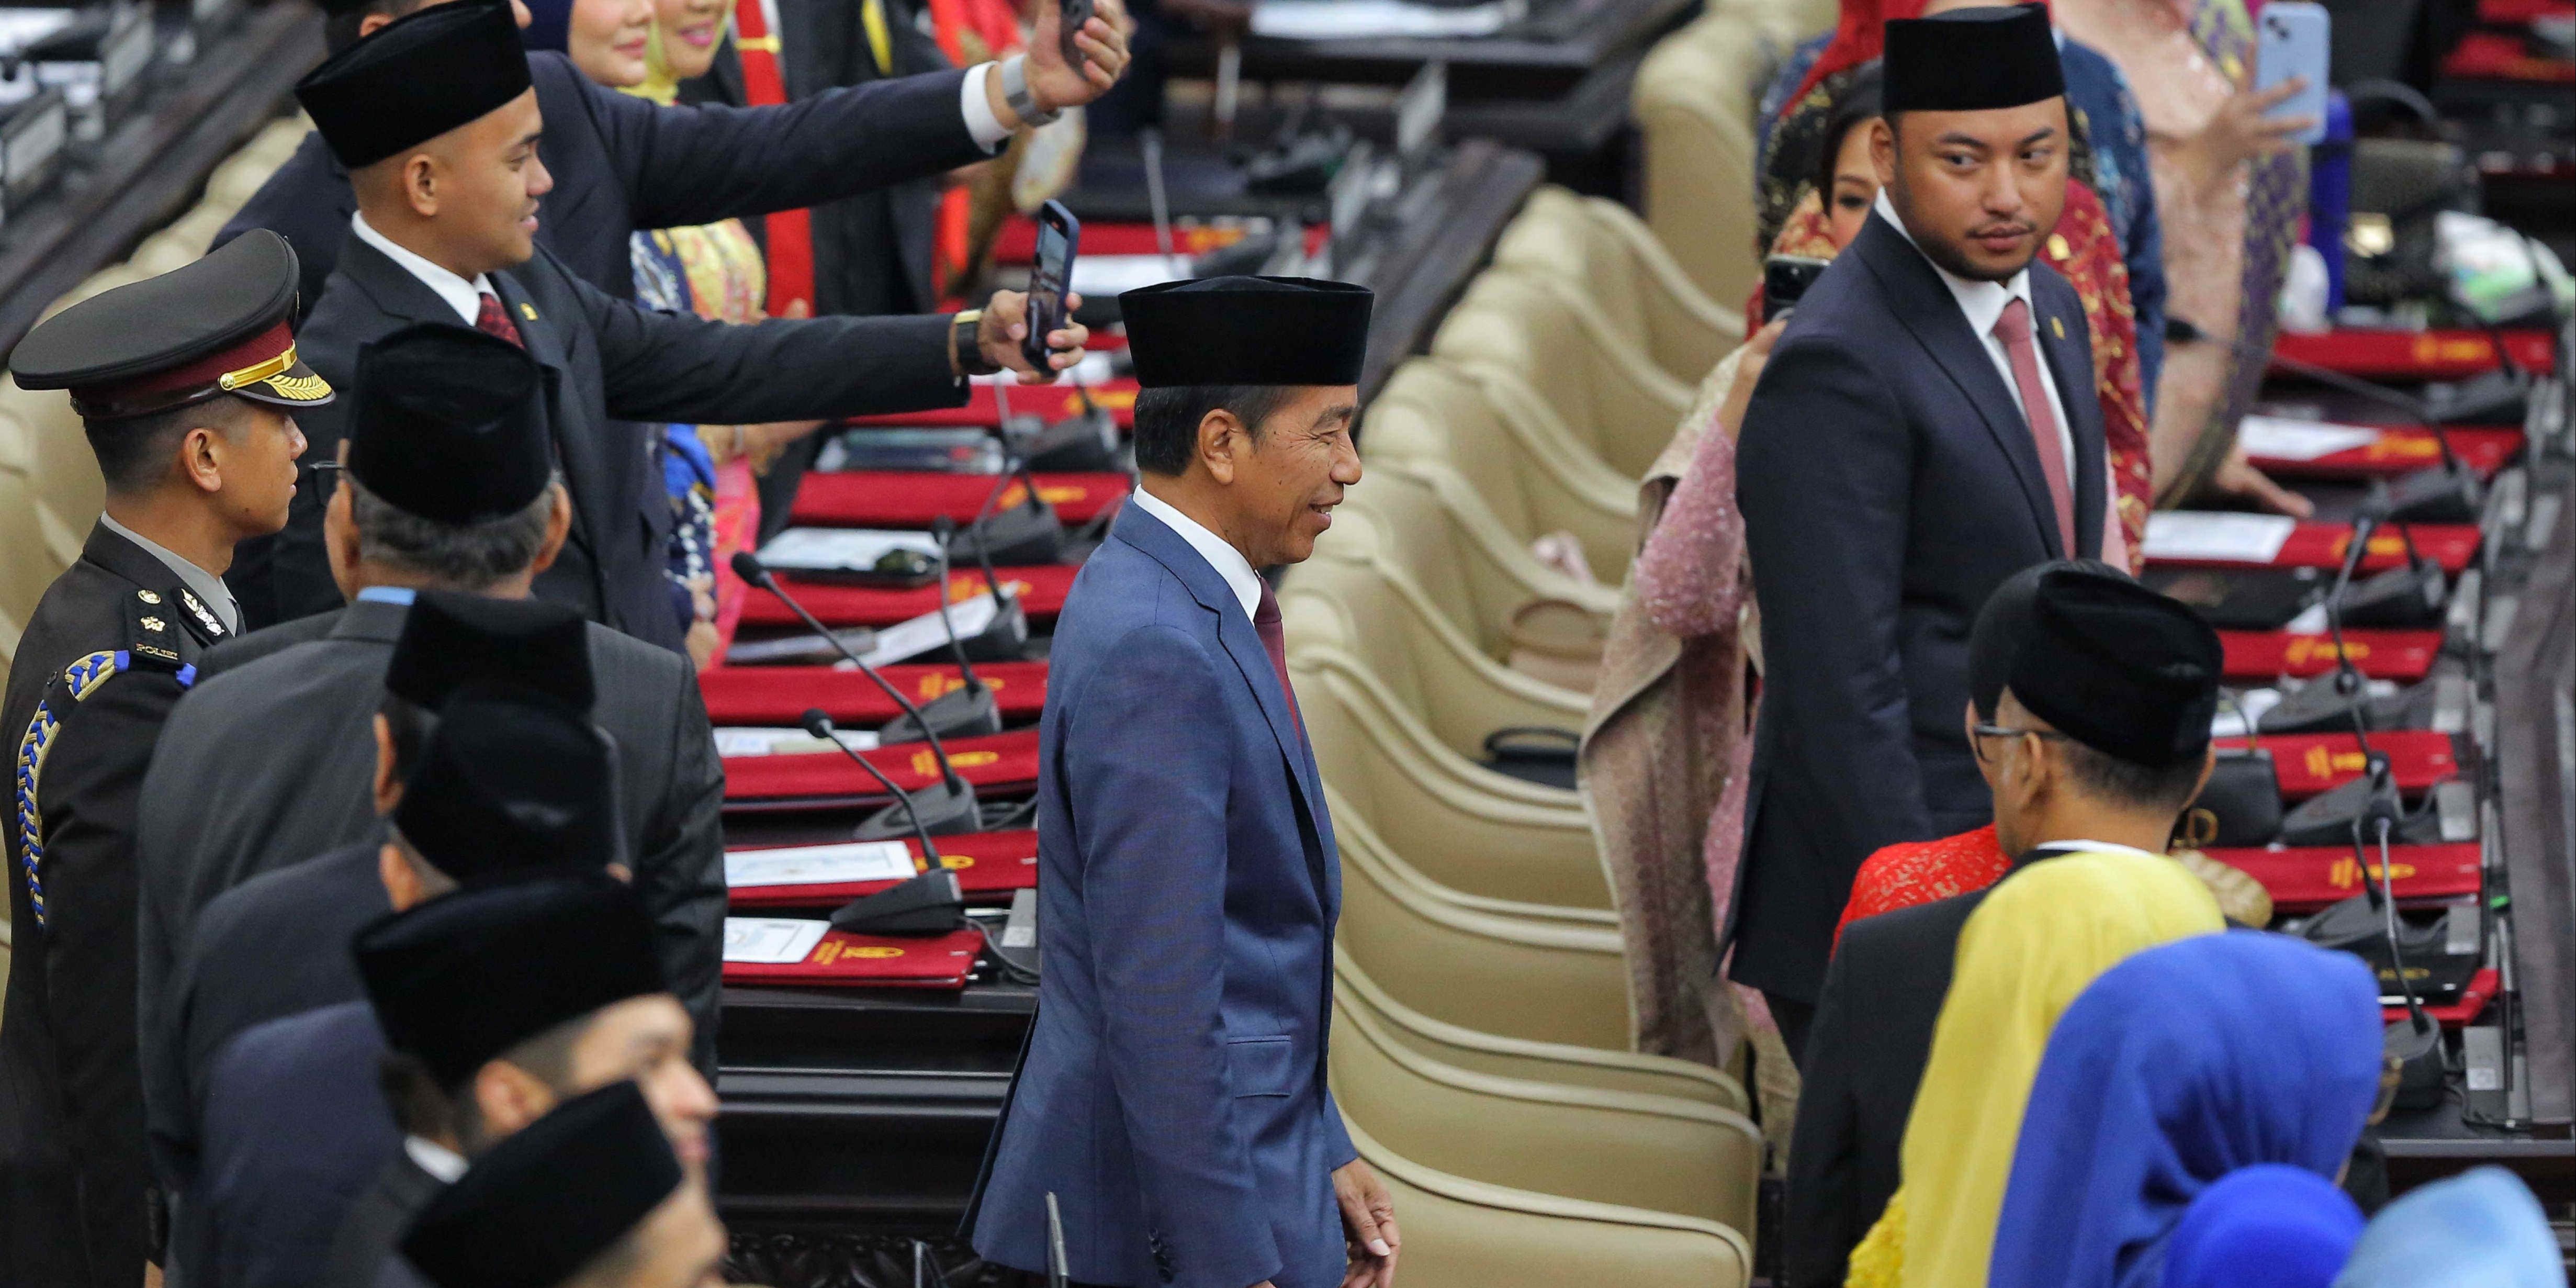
column 1541, row 332
column 1533, row 478
column 1475, row 572
column 1602, row 247
column 1461, row 1233
column 1694, row 102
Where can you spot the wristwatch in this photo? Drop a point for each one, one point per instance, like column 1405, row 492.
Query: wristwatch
column 1015, row 91
column 965, row 339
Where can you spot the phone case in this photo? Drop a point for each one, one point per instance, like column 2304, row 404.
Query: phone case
column 2293, row 39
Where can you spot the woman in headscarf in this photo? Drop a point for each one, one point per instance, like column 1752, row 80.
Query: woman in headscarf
column 2265, row 1226
column 2173, row 1070
column 646, row 48
column 2036, row 943
column 2480, row 1229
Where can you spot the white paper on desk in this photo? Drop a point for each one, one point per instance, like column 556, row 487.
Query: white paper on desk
column 771, row 941
column 2282, row 439
column 1380, row 19
column 853, row 549
column 819, row 864
column 2205, row 536
column 745, row 740
column 924, row 633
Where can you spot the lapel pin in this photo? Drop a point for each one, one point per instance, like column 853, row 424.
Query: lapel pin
column 2057, row 247
column 527, row 310
column 2058, row 327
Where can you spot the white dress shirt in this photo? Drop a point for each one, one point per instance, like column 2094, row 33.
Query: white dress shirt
column 209, row 587
column 436, row 1159
column 1983, row 302
column 1219, row 553
column 2093, row 847
column 463, row 296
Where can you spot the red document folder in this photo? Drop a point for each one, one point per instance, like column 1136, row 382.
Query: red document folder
column 2401, row 449
column 2322, row 545
column 1000, row 763
column 2263, row 656
column 2306, row 878
column 1041, row 589
column 780, row 695
column 989, row 867
column 2416, row 355
column 984, row 405
column 2313, row 763
column 872, row 961
column 904, row 499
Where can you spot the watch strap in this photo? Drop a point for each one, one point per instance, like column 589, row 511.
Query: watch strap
column 1015, row 91
column 965, row 336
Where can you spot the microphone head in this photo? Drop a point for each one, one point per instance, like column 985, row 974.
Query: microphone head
column 817, row 722
column 747, row 566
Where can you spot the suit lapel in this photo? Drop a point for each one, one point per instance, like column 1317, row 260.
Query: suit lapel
column 591, row 480
column 1931, row 314
column 2070, row 364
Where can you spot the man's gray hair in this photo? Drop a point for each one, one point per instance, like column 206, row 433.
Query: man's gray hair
column 470, row 556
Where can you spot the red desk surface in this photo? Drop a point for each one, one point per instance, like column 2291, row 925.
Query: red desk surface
column 2498, row 55
column 989, row 867
column 2306, row 878
column 1004, row 762
column 2384, row 655
column 2415, row 355
column 900, row 499
column 872, row 961
column 2459, row 1014
column 2313, row 763
column 984, row 405
column 1041, row 589
column 2322, row 545
column 1018, row 242
column 2401, row 449
column 781, row 695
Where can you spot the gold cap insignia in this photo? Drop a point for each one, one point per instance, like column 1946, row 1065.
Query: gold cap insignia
column 147, row 597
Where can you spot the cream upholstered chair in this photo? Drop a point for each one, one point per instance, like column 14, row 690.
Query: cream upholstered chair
column 1475, row 571
column 1368, row 611
column 1550, row 1062
column 1543, row 334
column 1653, row 1152
column 1547, row 978
column 1600, row 247
column 1461, row 1233
column 1503, row 449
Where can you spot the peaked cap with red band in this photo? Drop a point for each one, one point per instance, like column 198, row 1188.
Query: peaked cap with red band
column 221, row 325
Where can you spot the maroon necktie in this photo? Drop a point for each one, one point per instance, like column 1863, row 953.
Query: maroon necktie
column 492, row 319
column 1274, row 641
column 2013, row 328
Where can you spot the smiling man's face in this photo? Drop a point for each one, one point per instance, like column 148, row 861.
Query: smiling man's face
column 1292, row 473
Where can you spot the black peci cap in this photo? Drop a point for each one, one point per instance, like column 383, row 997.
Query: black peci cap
column 511, row 780
column 419, row 77
column 460, row 979
column 448, row 424
column 2116, row 666
column 2006, row 621
column 1971, row 60
column 549, row 1198
column 221, row 325
column 452, row 640
column 1247, row 331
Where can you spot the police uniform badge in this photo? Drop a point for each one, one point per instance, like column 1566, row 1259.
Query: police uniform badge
column 212, row 625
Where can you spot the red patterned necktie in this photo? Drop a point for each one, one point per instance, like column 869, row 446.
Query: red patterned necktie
column 492, row 319
column 2013, row 328
column 1274, row 641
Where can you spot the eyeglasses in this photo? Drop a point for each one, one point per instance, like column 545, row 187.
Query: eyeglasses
column 1982, row 732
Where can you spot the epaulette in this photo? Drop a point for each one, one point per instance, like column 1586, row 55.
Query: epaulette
column 151, row 644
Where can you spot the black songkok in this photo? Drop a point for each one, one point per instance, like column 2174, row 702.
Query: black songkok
column 1972, row 60
column 448, row 424
column 451, row 640
column 511, row 780
column 2005, row 622
column 2119, row 668
column 415, row 79
column 461, row 978
column 1247, row 331
column 550, row 1198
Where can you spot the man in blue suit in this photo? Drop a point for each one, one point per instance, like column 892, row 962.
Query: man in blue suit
column 1172, row 1099
column 1925, row 428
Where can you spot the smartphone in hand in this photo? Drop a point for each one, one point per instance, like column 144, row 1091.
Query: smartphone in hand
column 1785, row 278
column 2293, row 38
column 1059, row 235
column 1074, row 13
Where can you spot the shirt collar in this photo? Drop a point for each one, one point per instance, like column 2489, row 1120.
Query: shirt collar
column 1982, row 302
column 438, row 1160
column 206, row 585
column 1220, row 553
column 463, row 296
column 2091, row 847
column 388, row 594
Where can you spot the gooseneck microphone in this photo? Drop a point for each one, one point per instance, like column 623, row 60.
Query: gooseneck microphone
column 818, row 723
column 948, row 806
column 967, row 711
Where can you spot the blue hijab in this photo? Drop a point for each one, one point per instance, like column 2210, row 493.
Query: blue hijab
column 549, row 25
column 2175, row 1068
column 2480, row 1229
column 2265, row 1226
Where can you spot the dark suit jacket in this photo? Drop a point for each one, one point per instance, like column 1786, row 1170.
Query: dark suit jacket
column 608, row 364
column 296, row 1130
column 73, row 1175
column 271, row 761
column 364, row 1253
column 1889, row 484
column 621, row 163
column 273, row 946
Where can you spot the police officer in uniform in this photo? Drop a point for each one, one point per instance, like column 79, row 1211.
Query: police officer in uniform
column 187, row 385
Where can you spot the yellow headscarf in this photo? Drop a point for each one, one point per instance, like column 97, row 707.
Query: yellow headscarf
column 660, row 85
column 2027, row 951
